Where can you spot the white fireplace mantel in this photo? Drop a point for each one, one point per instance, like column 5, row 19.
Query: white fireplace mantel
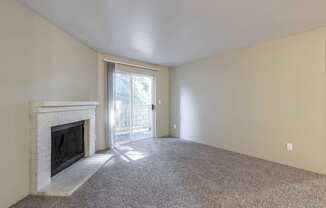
column 63, row 103
column 47, row 114
column 52, row 106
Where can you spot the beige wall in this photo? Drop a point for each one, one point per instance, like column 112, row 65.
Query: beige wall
column 255, row 100
column 37, row 62
column 162, row 93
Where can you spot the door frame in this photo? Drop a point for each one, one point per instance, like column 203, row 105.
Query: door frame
column 154, row 92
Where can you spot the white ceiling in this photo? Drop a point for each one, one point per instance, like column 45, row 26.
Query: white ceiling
column 174, row 32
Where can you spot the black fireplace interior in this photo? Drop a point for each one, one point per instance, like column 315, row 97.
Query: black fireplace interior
column 67, row 145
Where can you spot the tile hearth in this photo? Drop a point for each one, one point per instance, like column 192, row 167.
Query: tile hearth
column 70, row 179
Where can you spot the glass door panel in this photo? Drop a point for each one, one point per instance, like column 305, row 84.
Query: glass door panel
column 122, row 107
column 142, row 106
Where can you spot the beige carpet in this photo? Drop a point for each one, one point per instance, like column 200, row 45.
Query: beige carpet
column 172, row 173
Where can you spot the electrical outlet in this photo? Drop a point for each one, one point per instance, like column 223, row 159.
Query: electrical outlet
column 175, row 126
column 289, row 147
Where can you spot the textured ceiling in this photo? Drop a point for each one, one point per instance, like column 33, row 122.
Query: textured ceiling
column 174, row 32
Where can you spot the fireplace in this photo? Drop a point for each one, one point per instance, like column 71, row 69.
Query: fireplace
column 48, row 116
column 67, row 145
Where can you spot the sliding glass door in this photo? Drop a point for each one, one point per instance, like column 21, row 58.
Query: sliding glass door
column 134, row 109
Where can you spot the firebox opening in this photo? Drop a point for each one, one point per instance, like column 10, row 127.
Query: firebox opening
column 67, row 145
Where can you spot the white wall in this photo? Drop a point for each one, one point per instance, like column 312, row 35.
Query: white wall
column 162, row 93
column 37, row 62
column 255, row 100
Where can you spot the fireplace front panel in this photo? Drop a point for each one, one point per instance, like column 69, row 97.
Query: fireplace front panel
column 67, row 145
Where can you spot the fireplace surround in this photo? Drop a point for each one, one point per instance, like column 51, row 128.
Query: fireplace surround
column 49, row 115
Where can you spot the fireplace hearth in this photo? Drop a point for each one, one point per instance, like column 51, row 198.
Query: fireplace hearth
column 67, row 145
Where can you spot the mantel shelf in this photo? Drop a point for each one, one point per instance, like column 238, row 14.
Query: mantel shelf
column 44, row 104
